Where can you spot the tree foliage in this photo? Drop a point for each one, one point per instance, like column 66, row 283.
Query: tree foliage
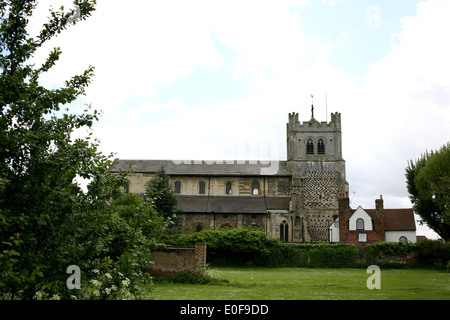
column 160, row 194
column 47, row 221
column 428, row 183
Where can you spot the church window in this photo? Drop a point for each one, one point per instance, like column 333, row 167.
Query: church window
column 359, row 224
column 177, row 187
column 403, row 239
column 198, row 227
column 284, row 232
column 255, row 188
column 310, row 146
column 228, row 188
column 201, row 188
column 362, row 237
column 321, row 147
column 127, row 187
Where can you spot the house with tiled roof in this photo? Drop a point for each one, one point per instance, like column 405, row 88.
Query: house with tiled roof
column 361, row 226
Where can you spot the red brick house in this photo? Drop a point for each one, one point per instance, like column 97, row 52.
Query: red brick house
column 361, row 226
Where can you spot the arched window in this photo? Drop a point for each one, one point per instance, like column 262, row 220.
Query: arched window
column 359, row 224
column 320, row 146
column 310, row 146
column 201, row 188
column 403, row 239
column 228, row 188
column 177, row 187
column 198, row 227
column 284, row 232
column 255, row 188
column 255, row 226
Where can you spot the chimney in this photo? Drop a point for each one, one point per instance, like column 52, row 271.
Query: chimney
column 344, row 216
column 379, row 217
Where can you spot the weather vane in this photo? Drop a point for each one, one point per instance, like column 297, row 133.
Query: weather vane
column 312, row 106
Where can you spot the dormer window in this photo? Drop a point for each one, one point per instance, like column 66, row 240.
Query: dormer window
column 359, row 224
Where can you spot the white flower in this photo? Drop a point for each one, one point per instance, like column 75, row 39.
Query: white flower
column 55, row 297
column 96, row 293
column 108, row 276
column 120, row 273
column 126, row 282
column 96, row 283
column 113, row 288
column 95, row 271
column 108, row 290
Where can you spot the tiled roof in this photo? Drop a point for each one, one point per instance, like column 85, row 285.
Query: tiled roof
column 231, row 204
column 396, row 219
column 206, row 168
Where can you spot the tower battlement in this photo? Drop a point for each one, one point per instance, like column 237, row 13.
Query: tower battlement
column 333, row 125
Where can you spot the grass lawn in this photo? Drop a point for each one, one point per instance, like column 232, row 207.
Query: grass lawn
column 310, row 284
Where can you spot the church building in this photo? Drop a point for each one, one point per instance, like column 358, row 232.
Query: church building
column 295, row 200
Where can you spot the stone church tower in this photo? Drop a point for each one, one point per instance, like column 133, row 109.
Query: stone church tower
column 314, row 156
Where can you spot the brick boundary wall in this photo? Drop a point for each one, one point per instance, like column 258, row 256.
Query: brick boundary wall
column 400, row 258
column 175, row 259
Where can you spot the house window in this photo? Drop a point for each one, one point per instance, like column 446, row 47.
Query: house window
column 284, row 232
column 228, row 188
column 359, row 224
column 403, row 239
column 310, row 146
column 255, row 188
column 201, row 188
column 362, row 237
column 321, row 146
column 177, row 187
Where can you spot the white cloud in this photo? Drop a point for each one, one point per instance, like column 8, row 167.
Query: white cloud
column 400, row 110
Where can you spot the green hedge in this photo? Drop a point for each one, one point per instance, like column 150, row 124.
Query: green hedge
column 428, row 251
column 237, row 247
column 233, row 247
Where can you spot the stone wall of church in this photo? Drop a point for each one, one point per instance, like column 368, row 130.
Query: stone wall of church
column 217, row 186
column 194, row 222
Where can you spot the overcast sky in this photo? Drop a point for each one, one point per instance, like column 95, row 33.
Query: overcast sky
column 216, row 80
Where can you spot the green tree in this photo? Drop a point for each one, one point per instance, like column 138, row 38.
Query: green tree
column 159, row 193
column 428, row 183
column 47, row 221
